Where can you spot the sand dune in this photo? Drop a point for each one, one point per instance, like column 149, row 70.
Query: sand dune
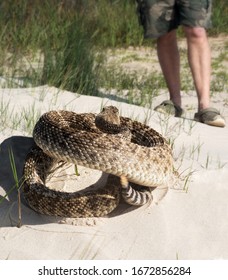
column 189, row 223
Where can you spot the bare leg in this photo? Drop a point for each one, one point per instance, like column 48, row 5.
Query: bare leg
column 199, row 57
column 169, row 60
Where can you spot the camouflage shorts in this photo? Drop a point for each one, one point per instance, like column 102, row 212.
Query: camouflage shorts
column 160, row 17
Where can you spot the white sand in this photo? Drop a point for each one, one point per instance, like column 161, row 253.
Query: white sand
column 188, row 224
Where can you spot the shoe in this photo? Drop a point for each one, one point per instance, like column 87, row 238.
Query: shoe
column 168, row 107
column 210, row 116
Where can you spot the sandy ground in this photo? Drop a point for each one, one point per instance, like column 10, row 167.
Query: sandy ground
column 190, row 222
column 142, row 60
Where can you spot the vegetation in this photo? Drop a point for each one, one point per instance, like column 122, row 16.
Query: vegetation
column 57, row 42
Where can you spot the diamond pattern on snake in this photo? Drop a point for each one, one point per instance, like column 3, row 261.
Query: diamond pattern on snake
column 131, row 153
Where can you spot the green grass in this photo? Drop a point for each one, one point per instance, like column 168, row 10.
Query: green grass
column 32, row 24
column 18, row 184
column 219, row 17
column 66, row 50
column 131, row 86
column 51, row 42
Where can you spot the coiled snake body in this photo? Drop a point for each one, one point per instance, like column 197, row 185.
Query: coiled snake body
column 116, row 145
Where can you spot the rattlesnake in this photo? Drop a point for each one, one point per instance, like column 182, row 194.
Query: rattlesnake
column 116, row 145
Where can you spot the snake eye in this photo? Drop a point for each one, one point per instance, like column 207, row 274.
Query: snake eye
column 113, row 109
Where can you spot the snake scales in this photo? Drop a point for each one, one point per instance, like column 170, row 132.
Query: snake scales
column 108, row 142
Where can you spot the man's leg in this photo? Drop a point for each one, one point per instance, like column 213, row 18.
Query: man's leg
column 199, row 57
column 169, row 60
